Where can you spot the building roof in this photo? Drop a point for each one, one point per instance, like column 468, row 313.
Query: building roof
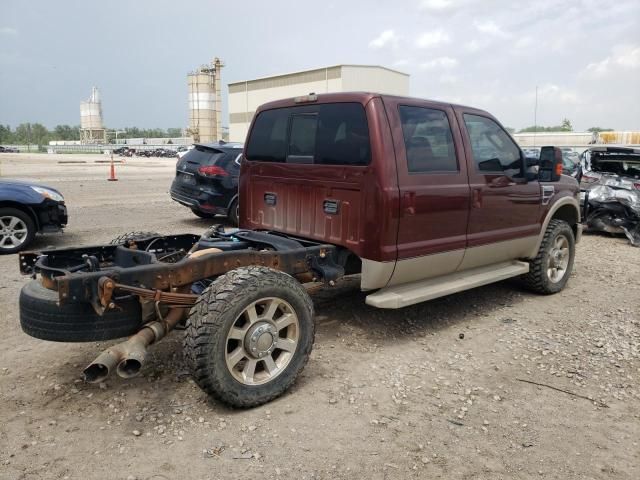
column 318, row 69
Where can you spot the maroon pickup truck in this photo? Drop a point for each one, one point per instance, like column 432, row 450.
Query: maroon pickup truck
column 421, row 199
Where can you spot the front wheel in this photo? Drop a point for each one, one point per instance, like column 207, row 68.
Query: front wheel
column 550, row 270
column 17, row 230
column 249, row 335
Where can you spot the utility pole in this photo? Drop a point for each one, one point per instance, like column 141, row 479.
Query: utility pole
column 535, row 118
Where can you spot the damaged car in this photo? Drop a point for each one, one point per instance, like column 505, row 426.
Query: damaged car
column 611, row 190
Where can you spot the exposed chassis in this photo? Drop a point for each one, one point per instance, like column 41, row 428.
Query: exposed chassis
column 99, row 274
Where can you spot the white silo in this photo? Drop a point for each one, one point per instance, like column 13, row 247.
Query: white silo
column 205, row 102
column 91, row 127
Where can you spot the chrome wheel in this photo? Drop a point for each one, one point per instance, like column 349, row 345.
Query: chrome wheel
column 262, row 341
column 558, row 259
column 13, row 232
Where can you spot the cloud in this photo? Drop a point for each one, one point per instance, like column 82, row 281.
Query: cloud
column 8, row 31
column 402, row 62
column 490, row 28
column 550, row 93
column 439, row 63
column 523, row 42
column 448, row 78
column 625, row 57
column 432, row 39
column 472, row 46
column 388, row 37
column 436, row 5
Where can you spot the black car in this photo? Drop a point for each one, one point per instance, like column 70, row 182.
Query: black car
column 8, row 150
column 207, row 180
column 26, row 209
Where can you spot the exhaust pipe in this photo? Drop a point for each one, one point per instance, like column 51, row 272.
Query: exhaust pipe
column 102, row 366
column 128, row 357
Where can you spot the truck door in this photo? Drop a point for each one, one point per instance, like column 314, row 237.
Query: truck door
column 433, row 189
column 504, row 215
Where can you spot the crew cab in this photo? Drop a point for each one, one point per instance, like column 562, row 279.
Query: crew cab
column 419, row 198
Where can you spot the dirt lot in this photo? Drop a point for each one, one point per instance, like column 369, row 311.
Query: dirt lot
column 386, row 394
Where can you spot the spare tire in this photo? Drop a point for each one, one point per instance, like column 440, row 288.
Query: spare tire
column 125, row 238
column 41, row 317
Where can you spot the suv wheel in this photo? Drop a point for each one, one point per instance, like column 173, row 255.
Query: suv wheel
column 234, row 213
column 17, row 230
column 550, row 270
column 249, row 335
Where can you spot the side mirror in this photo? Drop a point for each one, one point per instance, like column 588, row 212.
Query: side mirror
column 550, row 166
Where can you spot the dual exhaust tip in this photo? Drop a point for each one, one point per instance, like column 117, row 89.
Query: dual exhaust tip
column 127, row 358
column 127, row 363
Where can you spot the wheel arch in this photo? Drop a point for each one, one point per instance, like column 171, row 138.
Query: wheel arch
column 566, row 209
column 23, row 208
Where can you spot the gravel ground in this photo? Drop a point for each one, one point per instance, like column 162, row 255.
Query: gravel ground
column 386, row 394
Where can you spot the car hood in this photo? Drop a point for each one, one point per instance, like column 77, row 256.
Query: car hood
column 24, row 183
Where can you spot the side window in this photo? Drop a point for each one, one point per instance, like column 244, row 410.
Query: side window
column 493, row 150
column 302, row 139
column 428, row 140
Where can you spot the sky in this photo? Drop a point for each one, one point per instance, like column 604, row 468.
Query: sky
column 583, row 55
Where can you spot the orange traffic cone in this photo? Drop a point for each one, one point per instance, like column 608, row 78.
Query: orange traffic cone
column 112, row 173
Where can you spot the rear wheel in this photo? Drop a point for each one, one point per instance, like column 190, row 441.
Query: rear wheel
column 249, row 336
column 17, row 230
column 233, row 213
column 550, row 270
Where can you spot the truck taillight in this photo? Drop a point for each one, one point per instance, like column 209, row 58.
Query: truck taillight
column 212, row 171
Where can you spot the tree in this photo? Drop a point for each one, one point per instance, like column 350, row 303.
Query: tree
column 40, row 134
column 598, row 129
column 65, row 132
column 6, row 135
column 23, row 133
column 566, row 125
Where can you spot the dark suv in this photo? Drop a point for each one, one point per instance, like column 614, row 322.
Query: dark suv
column 207, row 180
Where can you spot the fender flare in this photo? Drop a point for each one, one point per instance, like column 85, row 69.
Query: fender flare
column 552, row 211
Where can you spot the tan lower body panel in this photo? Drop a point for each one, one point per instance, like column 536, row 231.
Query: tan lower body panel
column 386, row 274
column 422, row 290
column 497, row 252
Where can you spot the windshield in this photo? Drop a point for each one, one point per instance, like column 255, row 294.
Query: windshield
column 627, row 165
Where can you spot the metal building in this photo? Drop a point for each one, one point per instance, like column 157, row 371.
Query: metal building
column 91, row 126
column 247, row 95
column 205, row 105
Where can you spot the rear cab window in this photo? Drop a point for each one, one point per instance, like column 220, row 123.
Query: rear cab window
column 324, row 134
